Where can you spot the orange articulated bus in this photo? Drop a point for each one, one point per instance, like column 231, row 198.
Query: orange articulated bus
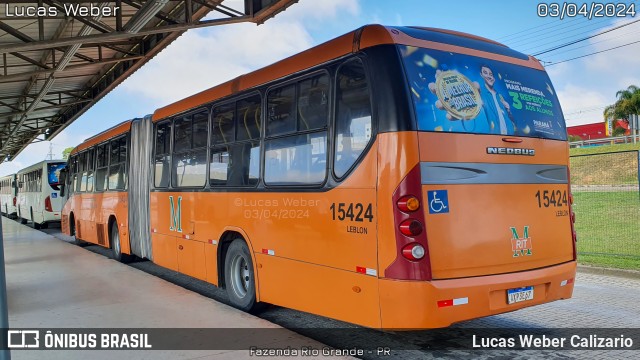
column 96, row 209
column 394, row 177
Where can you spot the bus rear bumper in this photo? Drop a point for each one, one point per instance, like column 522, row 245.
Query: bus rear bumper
column 440, row 303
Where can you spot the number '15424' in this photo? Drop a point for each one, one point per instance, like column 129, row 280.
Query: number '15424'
column 552, row 198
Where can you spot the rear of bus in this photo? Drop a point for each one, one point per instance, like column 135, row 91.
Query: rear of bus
column 51, row 191
column 482, row 217
column 9, row 195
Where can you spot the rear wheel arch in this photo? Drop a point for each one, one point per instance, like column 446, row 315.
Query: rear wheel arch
column 72, row 224
column 114, row 241
column 228, row 236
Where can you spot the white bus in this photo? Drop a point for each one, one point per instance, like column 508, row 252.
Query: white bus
column 8, row 194
column 39, row 193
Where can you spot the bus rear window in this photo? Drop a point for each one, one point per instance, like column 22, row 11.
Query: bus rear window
column 53, row 174
column 467, row 94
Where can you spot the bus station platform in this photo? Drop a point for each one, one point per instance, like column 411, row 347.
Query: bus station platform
column 55, row 284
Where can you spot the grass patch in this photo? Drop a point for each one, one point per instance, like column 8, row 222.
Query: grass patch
column 603, row 149
column 605, row 169
column 615, row 262
column 608, row 228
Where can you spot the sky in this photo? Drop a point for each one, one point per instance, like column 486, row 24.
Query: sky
column 203, row 58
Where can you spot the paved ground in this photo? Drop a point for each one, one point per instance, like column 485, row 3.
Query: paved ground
column 600, row 301
column 54, row 284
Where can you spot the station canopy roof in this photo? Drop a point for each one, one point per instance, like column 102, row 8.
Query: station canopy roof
column 57, row 60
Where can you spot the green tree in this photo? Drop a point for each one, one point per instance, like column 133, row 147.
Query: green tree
column 66, row 152
column 573, row 138
column 628, row 103
column 618, row 131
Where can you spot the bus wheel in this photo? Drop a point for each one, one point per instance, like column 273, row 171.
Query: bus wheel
column 35, row 224
column 20, row 219
column 72, row 231
column 115, row 245
column 239, row 278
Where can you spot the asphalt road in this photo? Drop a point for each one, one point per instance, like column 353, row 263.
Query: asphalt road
column 599, row 302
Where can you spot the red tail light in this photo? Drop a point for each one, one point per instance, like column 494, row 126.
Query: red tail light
column 47, row 204
column 412, row 258
column 411, row 227
column 15, row 200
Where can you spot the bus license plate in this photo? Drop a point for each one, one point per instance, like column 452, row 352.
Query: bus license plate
column 519, row 294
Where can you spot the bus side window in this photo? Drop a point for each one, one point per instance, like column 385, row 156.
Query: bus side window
column 80, row 177
column 353, row 116
column 313, row 103
column 161, row 164
column 235, row 154
column 90, row 169
column 102, row 166
column 300, row 157
column 117, row 164
column 189, row 157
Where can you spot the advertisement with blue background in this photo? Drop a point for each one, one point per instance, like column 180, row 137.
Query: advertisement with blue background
column 467, row 94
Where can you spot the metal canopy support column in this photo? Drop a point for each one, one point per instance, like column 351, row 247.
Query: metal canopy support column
column 5, row 354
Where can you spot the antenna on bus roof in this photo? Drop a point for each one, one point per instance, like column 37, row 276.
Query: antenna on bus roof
column 50, row 154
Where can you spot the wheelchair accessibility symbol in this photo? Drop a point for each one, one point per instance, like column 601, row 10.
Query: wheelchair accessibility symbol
column 438, row 202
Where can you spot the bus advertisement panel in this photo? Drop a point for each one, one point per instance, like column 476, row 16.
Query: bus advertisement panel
column 467, row 94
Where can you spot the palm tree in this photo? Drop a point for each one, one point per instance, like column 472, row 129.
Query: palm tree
column 628, row 103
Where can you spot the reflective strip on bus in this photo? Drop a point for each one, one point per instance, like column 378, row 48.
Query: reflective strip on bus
column 453, row 302
column 566, row 282
column 366, row 271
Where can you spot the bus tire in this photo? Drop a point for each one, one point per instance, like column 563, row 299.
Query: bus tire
column 72, row 231
column 239, row 277
column 114, row 240
column 20, row 219
column 35, row 224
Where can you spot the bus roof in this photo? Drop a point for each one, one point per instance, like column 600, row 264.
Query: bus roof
column 111, row 132
column 364, row 37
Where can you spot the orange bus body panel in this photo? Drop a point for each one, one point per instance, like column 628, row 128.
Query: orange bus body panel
column 486, row 296
column 475, row 238
column 297, row 227
column 471, row 148
column 92, row 211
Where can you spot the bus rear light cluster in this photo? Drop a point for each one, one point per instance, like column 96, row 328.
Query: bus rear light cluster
column 408, row 203
column 411, row 227
column 413, row 252
column 47, row 204
column 412, row 260
column 15, row 199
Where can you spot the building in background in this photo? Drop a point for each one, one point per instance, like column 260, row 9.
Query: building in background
column 597, row 130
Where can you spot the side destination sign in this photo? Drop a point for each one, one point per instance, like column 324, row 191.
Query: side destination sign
column 510, row 151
